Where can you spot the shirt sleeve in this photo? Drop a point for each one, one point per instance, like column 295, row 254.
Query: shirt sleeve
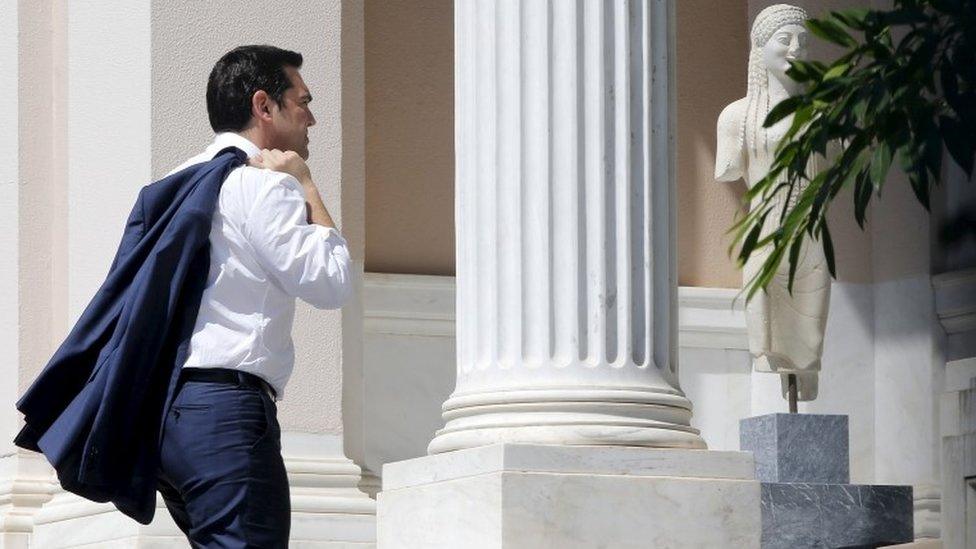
column 309, row 261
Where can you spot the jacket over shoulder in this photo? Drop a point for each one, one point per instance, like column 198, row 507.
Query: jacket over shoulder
column 96, row 409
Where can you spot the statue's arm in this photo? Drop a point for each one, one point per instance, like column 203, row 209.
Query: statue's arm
column 730, row 157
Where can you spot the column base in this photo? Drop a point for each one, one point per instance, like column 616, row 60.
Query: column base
column 512, row 496
column 573, row 435
column 927, row 507
column 26, row 484
column 613, row 416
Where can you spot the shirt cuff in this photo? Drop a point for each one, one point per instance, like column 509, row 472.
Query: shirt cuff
column 328, row 232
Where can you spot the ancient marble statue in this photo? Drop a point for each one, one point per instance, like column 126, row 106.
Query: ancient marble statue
column 786, row 331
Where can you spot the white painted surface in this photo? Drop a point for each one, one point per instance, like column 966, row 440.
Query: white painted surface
column 9, row 222
column 109, row 134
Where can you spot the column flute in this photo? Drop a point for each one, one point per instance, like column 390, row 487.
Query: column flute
column 566, row 283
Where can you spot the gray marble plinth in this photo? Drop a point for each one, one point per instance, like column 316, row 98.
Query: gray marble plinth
column 798, row 447
column 796, row 515
column 807, row 501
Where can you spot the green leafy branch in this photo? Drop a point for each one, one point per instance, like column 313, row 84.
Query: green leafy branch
column 882, row 101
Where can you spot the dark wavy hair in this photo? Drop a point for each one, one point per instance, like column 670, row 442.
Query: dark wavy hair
column 241, row 72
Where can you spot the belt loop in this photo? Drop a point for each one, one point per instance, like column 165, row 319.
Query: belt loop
column 241, row 380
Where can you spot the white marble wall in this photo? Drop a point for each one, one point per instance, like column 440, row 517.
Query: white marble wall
column 108, row 135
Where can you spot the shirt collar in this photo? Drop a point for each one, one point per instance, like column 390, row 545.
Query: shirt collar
column 231, row 139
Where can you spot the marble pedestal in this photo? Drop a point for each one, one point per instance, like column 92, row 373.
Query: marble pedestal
column 518, row 496
column 802, row 461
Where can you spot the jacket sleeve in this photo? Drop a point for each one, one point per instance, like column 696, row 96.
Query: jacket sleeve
column 309, row 261
column 132, row 234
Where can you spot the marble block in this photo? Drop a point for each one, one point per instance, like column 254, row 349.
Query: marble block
column 518, row 496
column 797, row 515
column 802, row 461
column 810, row 448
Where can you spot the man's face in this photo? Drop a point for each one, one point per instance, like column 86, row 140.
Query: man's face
column 292, row 118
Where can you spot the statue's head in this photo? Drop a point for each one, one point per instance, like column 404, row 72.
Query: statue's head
column 778, row 37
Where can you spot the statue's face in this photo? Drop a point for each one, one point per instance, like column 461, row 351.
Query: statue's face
column 788, row 43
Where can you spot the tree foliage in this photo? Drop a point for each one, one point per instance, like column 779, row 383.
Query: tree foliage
column 903, row 89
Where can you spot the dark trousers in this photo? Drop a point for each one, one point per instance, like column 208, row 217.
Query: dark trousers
column 221, row 471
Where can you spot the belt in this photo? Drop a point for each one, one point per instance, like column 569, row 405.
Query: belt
column 226, row 375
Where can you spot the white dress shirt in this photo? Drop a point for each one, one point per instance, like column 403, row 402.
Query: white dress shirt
column 263, row 254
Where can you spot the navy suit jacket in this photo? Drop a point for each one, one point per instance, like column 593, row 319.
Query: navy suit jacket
column 97, row 408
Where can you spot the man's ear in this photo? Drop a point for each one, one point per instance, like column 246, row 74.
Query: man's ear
column 261, row 105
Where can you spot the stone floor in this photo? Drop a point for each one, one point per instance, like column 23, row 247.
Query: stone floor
column 922, row 544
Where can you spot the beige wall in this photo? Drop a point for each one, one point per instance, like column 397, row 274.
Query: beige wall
column 410, row 146
column 410, row 136
column 712, row 55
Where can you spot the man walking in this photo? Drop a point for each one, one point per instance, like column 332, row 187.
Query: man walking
column 272, row 240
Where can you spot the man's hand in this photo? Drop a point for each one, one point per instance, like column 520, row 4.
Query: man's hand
column 291, row 163
column 283, row 161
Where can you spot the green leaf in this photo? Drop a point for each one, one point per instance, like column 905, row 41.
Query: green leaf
column 828, row 246
column 794, row 259
column 782, row 109
column 820, row 190
column 932, row 151
column 831, row 32
column 750, row 243
column 902, row 17
column 862, row 197
column 880, row 162
column 959, row 144
column 920, row 186
column 836, row 71
column 804, row 71
column 856, row 18
column 903, row 86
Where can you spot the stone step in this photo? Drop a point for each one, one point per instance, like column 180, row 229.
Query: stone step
column 919, row 544
column 835, row 515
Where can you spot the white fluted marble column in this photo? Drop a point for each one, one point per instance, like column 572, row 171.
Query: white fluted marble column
column 565, row 226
